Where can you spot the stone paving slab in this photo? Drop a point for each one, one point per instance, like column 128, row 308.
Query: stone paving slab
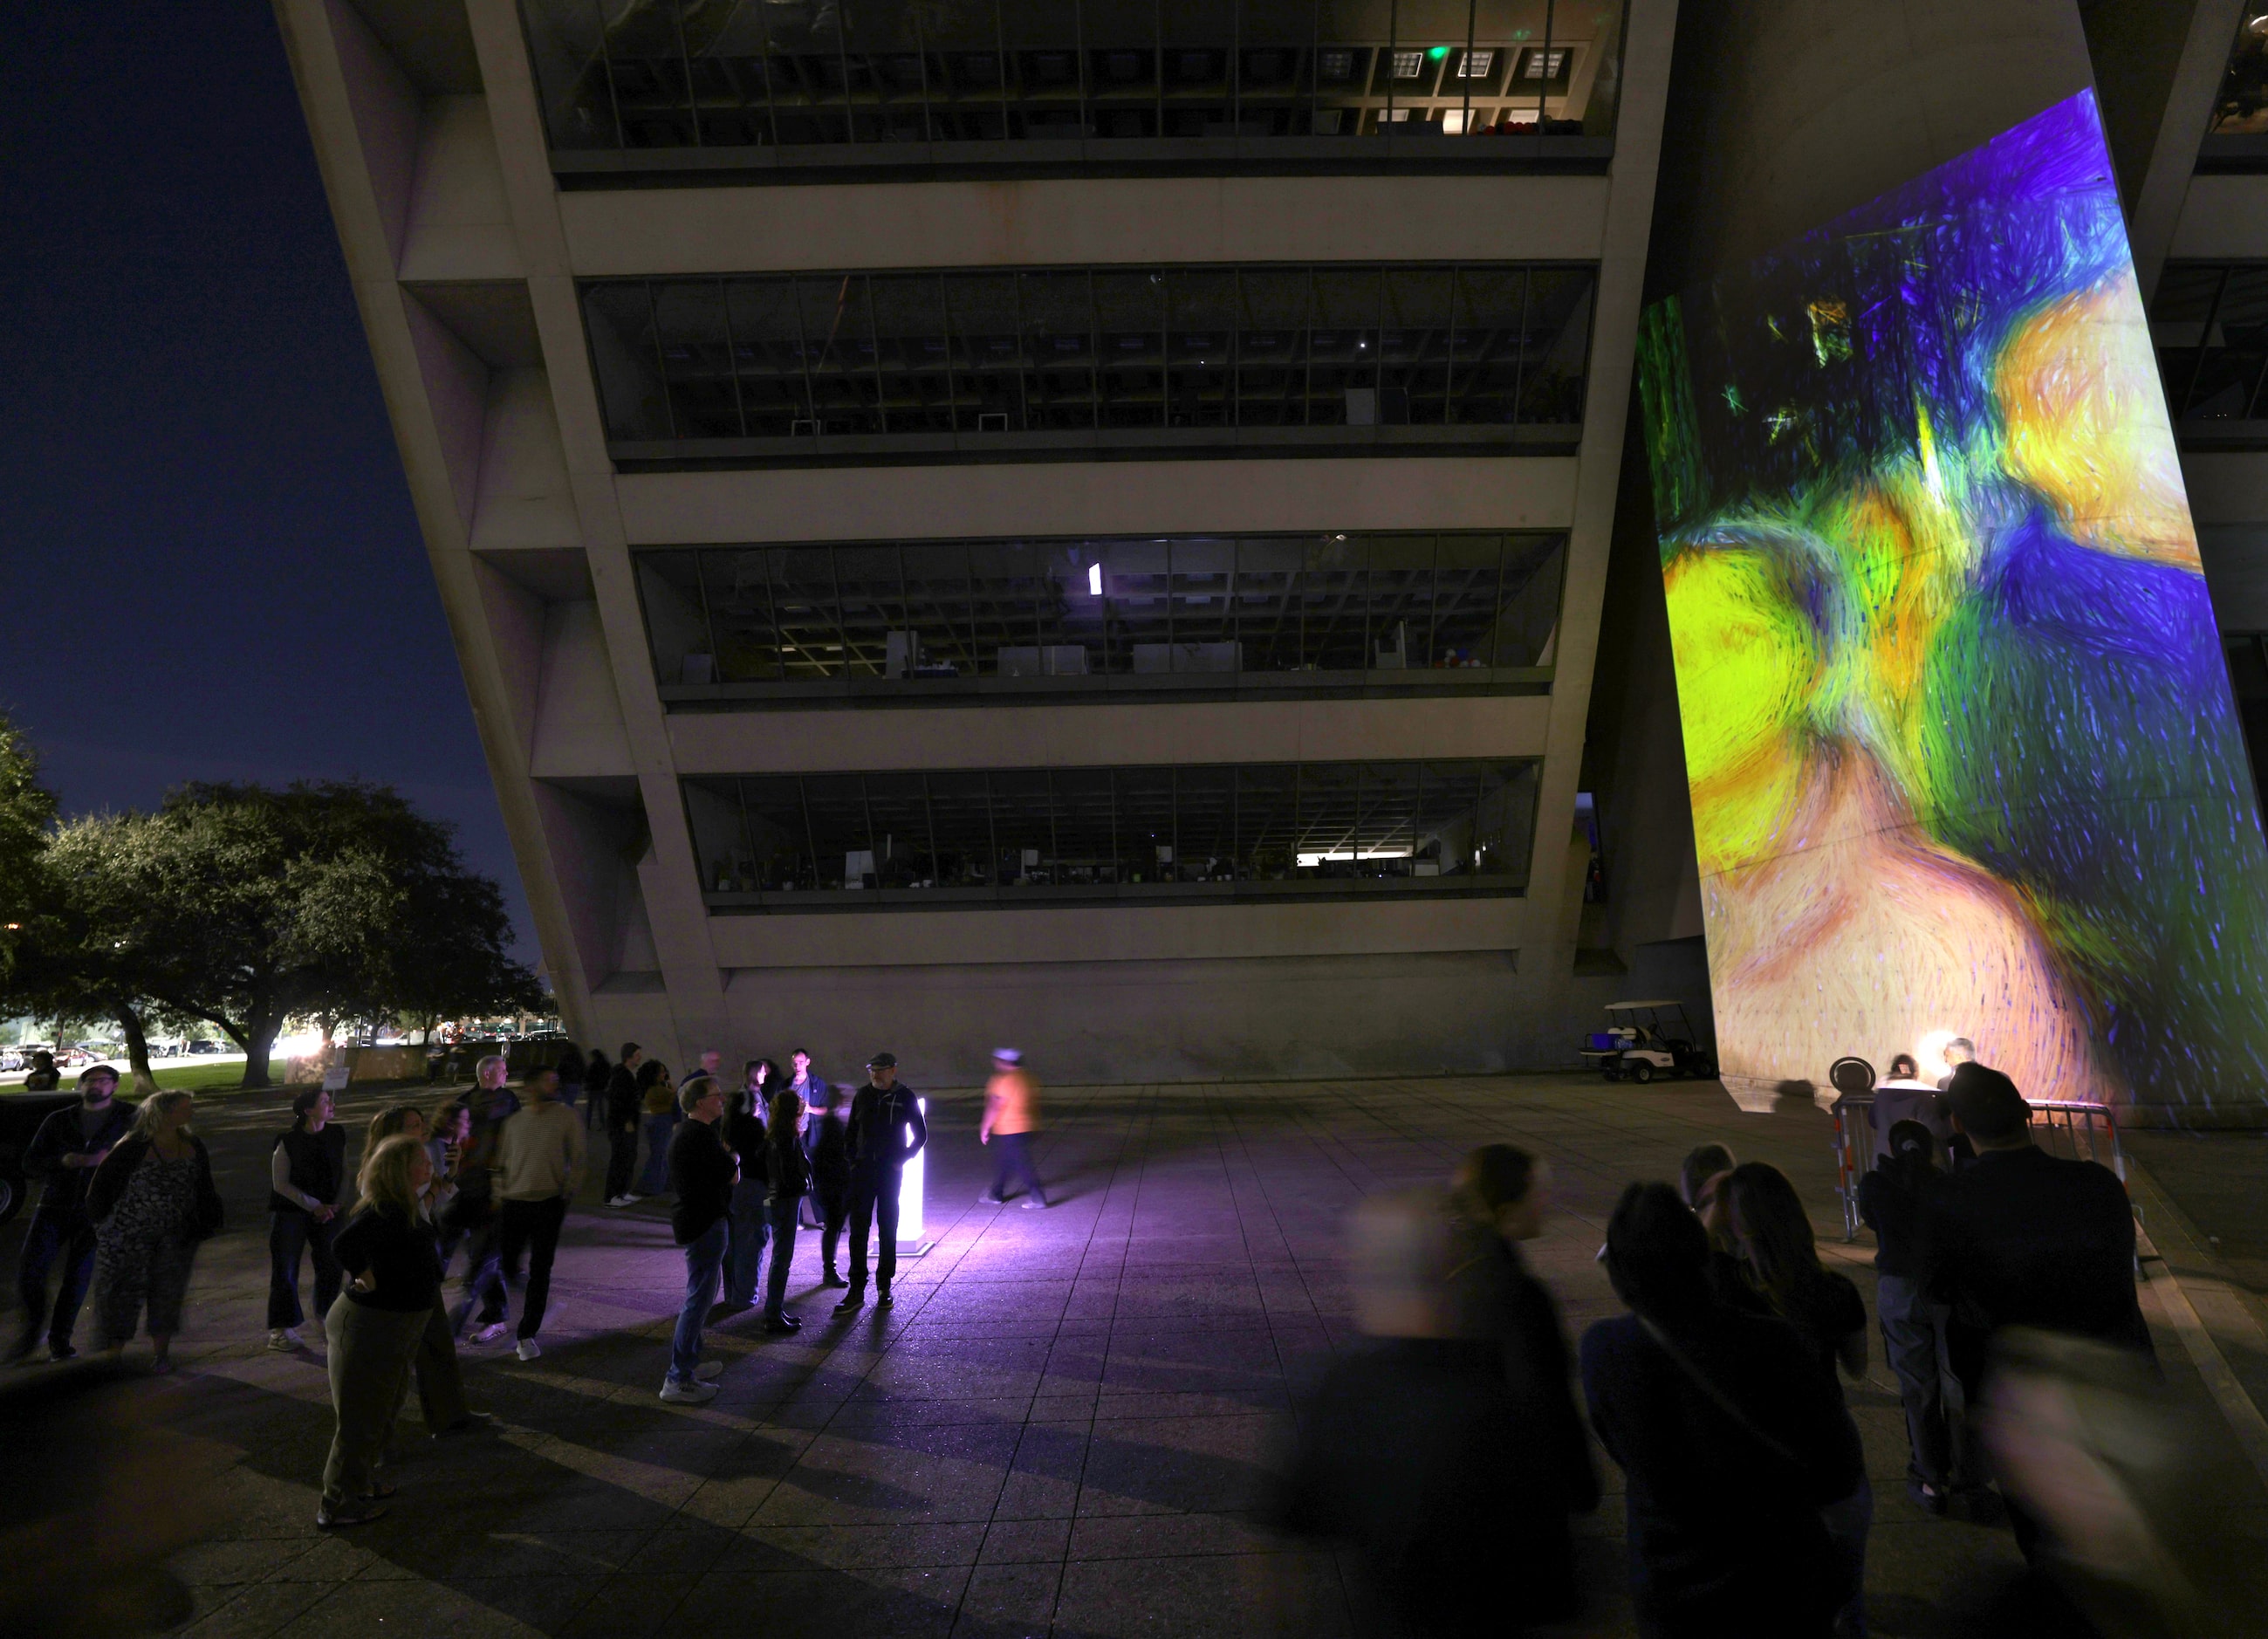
column 1059, row 1429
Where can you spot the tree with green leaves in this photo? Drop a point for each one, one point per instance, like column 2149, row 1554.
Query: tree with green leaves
column 247, row 907
column 27, row 813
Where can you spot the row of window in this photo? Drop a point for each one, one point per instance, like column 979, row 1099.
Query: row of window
column 1058, row 614
column 725, row 366
column 2210, row 323
column 675, row 75
column 885, row 840
column 2239, row 128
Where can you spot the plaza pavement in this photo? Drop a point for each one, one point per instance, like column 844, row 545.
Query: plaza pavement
column 1060, row 1430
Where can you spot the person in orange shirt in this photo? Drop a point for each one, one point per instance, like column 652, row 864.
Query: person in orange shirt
column 1012, row 1114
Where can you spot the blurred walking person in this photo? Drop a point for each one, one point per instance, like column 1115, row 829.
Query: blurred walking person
column 827, row 1140
column 70, row 1144
column 625, row 1105
column 306, row 1171
column 153, row 1203
column 375, row 1327
column 596, row 1073
column 1012, row 1114
column 886, row 1130
column 788, row 1174
column 702, row 1171
column 1731, row 1438
column 540, row 1158
column 1507, row 1192
column 744, row 1135
column 1418, row 1453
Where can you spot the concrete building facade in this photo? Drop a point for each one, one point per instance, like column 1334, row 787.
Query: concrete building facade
column 1092, row 525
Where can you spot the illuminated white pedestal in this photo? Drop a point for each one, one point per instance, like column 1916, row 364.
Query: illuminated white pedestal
column 913, row 1239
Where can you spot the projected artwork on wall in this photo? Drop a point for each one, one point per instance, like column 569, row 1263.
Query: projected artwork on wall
column 1963, row 752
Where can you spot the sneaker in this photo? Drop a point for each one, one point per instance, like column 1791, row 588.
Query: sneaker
column 496, row 1333
column 855, row 1298
column 529, row 1348
column 59, row 1352
column 471, row 1422
column 709, row 1370
column 987, row 1199
column 689, row 1393
column 347, row 1514
column 618, row 1201
column 284, row 1340
column 882, row 1299
column 1035, row 1203
column 1926, row 1497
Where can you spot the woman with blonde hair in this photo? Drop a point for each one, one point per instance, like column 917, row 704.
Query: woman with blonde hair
column 375, row 1327
column 154, row 1200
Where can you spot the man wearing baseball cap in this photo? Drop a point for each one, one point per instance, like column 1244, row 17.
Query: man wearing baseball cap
column 1011, row 1111
column 885, row 1131
column 66, row 1148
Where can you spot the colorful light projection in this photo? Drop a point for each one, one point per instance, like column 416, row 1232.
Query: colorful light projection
column 1962, row 748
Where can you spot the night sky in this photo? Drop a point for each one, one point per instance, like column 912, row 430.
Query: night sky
column 212, row 568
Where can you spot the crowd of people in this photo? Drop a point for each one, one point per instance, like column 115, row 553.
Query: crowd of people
column 1720, row 1393
column 128, row 1196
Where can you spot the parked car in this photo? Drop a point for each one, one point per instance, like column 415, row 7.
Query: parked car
column 21, row 1115
column 202, row 1045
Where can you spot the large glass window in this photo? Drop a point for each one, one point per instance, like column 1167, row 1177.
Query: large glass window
column 1186, row 613
column 2239, row 129
column 792, row 367
column 1038, row 836
column 2210, row 323
column 1040, row 81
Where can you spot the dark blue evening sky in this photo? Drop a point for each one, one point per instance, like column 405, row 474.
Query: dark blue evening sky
column 212, row 568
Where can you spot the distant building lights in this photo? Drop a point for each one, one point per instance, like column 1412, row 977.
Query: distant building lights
column 1094, row 579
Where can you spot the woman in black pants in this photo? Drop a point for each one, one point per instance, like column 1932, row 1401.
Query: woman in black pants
column 829, row 1149
column 788, row 1175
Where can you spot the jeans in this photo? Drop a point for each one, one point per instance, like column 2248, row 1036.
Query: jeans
column 531, row 1227
column 658, row 1129
column 289, row 1234
column 52, row 1237
column 1913, row 1338
column 780, row 1210
column 749, row 1231
column 1014, row 1161
column 704, row 1259
column 483, row 1268
column 622, row 1160
column 874, row 1203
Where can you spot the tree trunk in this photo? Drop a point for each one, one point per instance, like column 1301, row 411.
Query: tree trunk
column 138, row 1050
column 258, row 1040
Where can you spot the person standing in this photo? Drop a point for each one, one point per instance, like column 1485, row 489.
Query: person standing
column 886, row 1130
column 815, row 1093
column 744, row 1135
column 1893, row 1199
column 1507, row 1192
column 596, row 1073
column 1012, row 1106
column 1731, row 1438
column 711, row 1065
column 307, row 1170
column 827, row 1143
column 44, row 1077
column 451, row 1125
column 491, row 1104
column 621, row 1117
column 660, row 1113
column 540, row 1156
column 374, row 1329
column 153, row 1203
column 702, row 1171
column 788, row 1174
column 65, row 1151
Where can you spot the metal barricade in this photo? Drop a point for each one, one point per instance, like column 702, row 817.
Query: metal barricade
column 1854, row 1152
column 2075, row 1132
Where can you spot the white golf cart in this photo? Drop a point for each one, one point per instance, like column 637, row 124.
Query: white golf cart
column 1644, row 1039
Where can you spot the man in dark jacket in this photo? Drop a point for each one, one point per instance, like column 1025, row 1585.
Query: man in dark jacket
column 828, row 1143
column 701, row 1173
column 66, row 1148
column 886, row 1130
column 623, row 1098
column 2020, row 1238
